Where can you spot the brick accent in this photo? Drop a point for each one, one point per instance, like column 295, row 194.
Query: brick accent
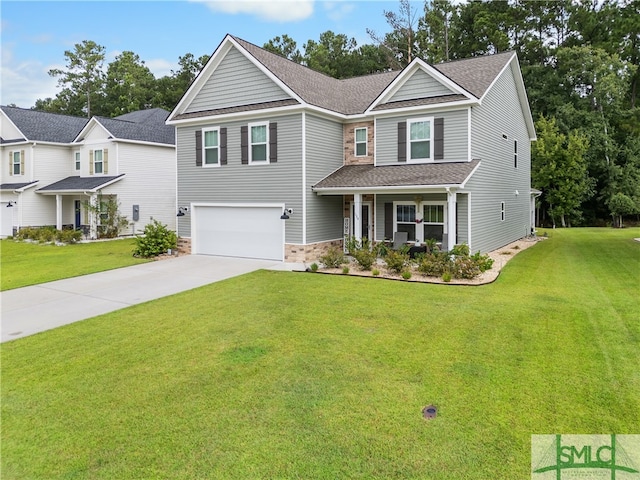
column 308, row 253
column 349, row 136
column 184, row 245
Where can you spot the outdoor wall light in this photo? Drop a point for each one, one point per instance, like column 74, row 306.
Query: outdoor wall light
column 286, row 213
column 182, row 211
column 10, row 204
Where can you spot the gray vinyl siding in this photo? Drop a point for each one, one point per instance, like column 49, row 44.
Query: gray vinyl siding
column 236, row 183
column 462, row 226
column 496, row 180
column 236, row 81
column 455, row 136
column 420, row 85
column 324, row 155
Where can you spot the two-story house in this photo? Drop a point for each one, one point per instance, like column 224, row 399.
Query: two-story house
column 278, row 161
column 57, row 166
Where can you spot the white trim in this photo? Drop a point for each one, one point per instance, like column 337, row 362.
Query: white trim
column 386, row 190
column 304, row 178
column 419, row 208
column 375, row 141
column 469, row 157
column 250, row 144
column 77, row 163
column 464, row 183
column 469, row 221
column 204, row 148
column 411, row 121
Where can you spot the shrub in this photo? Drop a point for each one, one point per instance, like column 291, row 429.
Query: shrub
column 461, row 250
column 363, row 252
column 406, row 274
column 433, row 264
column 375, row 272
column 446, row 276
column 464, row 267
column 156, row 240
column 484, row 262
column 48, row 234
column 397, row 260
column 314, row 267
column 333, row 258
column 345, row 269
column 69, row 236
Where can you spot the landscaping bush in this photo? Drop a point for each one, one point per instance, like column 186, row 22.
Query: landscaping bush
column 69, row 236
column 334, row 258
column 484, row 262
column 433, row 264
column 48, row 234
column 156, row 240
column 397, row 260
column 464, row 267
column 363, row 252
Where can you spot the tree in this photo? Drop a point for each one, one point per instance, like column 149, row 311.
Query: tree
column 129, row 85
column 401, row 42
column 284, row 46
column 621, row 205
column 83, row 76
column 170, row 89
column 434, row 30
column 334, row 55
column 559, row 170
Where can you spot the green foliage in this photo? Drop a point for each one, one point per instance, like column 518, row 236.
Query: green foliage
column 314, row 267
column 457, row 263
column 345, row 269
column 49, row 235
column 621, row 205
column 397, row 260
column 375, row 272
column 446, row 276
column 106, row 213
column 156, row 240
column 461, row 250
column 433, row 264
column 363, row 252
column 484, row 262
column 406, row 274
column 334, row 258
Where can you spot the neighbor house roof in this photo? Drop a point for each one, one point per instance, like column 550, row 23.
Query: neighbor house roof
column 354, row 177
column 17, row 186
column 80, row 184
column 44, row 126
column 148, row 131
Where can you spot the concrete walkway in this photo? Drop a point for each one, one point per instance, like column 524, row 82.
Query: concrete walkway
column 34, row 309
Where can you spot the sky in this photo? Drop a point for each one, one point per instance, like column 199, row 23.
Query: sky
column 35, row 34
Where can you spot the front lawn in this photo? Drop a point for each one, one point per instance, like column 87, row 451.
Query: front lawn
column 26, row 263
column 300, row 375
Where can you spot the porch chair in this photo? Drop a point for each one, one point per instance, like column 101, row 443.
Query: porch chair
column 399, row 239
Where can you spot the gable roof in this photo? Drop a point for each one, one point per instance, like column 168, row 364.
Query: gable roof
column 80, row 184
column 21, row 186
column 139, row 126
column 353, row 96
column 43, row 126
column 386, row 177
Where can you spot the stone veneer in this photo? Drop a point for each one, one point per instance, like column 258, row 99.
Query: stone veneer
column 349, row 135
column 308, row 253
column 184, row 245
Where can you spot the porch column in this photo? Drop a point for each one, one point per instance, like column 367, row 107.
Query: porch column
column 357, row 216
column 59, row 212
column 451, row 218
column 93, row 217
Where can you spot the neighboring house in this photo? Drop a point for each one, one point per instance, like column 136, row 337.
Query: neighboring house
column 56, row 164
column 436, row 151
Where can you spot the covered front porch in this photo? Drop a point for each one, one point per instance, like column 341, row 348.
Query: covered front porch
column 421, row 203
column 75, row 200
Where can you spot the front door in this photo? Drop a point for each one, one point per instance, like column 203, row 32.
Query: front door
column 367, row 223
column 77, row 223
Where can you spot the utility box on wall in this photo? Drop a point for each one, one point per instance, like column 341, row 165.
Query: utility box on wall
column 136, row 213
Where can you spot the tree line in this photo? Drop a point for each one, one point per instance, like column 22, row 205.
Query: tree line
column 580, row 63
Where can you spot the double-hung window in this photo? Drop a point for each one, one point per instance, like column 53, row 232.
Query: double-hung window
column 421, row 222
column 16, row 163
column 98, row 166
column 361, row 142
column 433, row 221
column 211, row 147
column 259, row 142
column 76, row 155
column 420, row 140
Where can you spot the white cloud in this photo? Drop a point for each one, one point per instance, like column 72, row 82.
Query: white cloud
column 25, row 82
column 161, row 67
column 270, row 10
column 338, row 11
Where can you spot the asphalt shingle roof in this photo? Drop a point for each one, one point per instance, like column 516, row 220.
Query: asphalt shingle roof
column 44, row 126
column 151, row 131
column 15, row 186
column 355, row 95
column 370, row 176
column 78, row 183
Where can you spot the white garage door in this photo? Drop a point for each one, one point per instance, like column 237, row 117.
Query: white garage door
column 6, row 220
column 238, row 231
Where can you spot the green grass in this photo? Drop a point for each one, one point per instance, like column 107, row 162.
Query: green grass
column 26, row 264
column 294, row 375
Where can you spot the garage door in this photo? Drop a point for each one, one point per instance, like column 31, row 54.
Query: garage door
column 238, row 231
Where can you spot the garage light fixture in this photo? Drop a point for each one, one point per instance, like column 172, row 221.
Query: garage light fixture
column 286, row 213
column 10, row 204
column 182, row 211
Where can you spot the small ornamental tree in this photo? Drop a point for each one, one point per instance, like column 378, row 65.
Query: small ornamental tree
column 620, row 205
column 156, row 240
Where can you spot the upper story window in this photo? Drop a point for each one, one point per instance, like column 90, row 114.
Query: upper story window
column 77, row 160
column 361, row 142
column 211, row 139
column 98, row 162
column 420, row 139
column 17, row 163
column 259, row 141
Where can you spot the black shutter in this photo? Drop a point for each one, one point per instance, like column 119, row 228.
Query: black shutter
column 273, row 142
column 198, row 148
column 244, row 145
column 388, row 221
column 438, row 139
column 223, row 146
column 402, row 141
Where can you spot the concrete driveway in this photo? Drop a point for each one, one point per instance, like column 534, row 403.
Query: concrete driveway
column 34, row 309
